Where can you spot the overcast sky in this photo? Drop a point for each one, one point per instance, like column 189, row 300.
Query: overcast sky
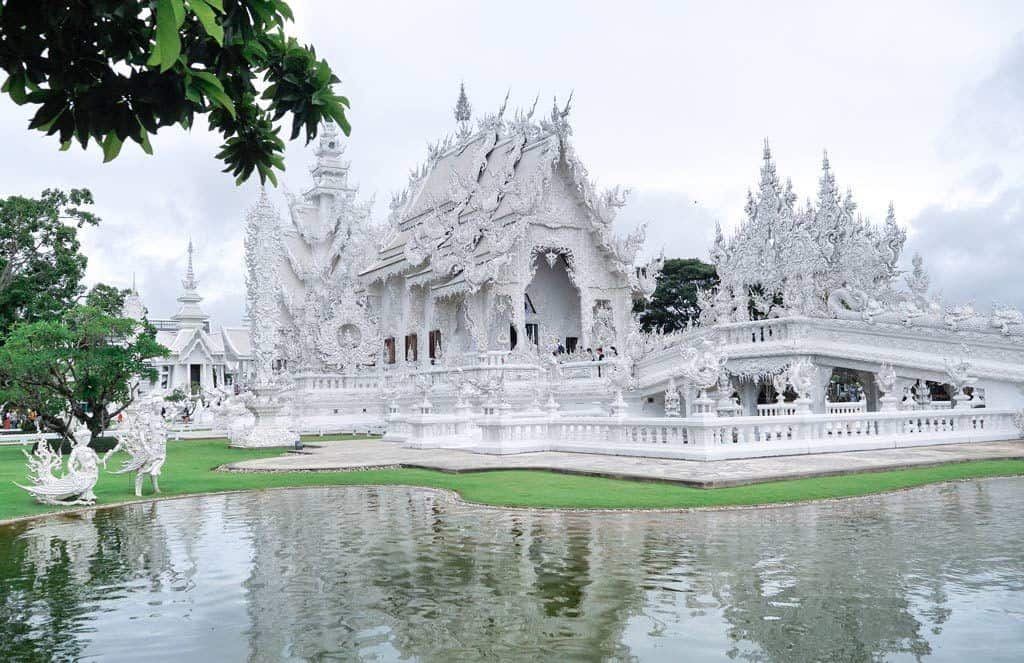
column 921, row 103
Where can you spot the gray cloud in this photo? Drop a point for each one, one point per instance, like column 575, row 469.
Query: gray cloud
column 974, row 253
column 973, row 245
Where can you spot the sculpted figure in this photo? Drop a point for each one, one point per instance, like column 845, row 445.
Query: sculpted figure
column 145, row 442
column 72, row 487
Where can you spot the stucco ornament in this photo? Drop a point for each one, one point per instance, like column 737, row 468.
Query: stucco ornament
column 145, row 442
column 329, row 241
column 73, row 486
column 672, row 399
column 619, row 376
column 801, row 377
column 468, row 218
column 958, row 372
column 267, row 399
column 885, row 378
column 780, row 381
column 826, row 260
column 702, row 364
column 350, row 337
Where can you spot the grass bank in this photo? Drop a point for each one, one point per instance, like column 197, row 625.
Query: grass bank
column 190, row 469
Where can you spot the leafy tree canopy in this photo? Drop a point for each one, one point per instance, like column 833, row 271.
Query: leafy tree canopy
column 81, row 366
column 107, row 298
column 114, row 70
column 674, row 302
column 41, row 267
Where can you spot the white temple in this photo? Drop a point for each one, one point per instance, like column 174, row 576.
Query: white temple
column 200, row 359
column 495, row 315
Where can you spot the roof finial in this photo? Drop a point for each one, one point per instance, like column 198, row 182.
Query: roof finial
column 135, row 290
column 190, row 276
column 767, row 150
column 463, row 111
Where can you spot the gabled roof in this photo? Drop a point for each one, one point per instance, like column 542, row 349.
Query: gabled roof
column 462, row 214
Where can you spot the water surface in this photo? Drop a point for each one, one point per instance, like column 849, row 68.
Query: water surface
column 352, row 573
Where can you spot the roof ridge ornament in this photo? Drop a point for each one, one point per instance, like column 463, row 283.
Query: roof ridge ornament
column 463, row 111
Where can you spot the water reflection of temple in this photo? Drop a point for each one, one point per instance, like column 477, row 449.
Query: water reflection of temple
column 395, row 573
column 413, row 575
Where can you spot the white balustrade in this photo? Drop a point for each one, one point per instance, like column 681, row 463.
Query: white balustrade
column 756, row 331
column 846, row 408
column 719, row 438
column 776, row 409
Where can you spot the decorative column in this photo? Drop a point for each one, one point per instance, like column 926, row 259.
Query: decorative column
column 822, row 375
column 748, row 396
column 267, row 397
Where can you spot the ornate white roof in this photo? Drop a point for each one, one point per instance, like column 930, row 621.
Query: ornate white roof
column 466, row 208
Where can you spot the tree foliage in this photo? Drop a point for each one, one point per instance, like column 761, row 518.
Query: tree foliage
column 107, row 298
column 41, row 267
column 112, row 70
column 81, row 366
column 674, row 302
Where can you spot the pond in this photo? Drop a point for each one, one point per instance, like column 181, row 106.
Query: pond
column 368, row 573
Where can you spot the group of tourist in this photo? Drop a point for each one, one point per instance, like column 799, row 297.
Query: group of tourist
column 14, row 419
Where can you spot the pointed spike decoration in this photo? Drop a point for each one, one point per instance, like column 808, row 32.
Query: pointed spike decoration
column 190, row 275
column 463, row 110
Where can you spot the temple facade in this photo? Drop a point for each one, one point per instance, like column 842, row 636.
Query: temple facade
column 494, row 313
column 501, row 243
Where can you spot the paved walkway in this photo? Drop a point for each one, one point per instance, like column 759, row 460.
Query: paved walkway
column 364, row 454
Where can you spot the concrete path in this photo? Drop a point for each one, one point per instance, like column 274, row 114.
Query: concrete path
column 365, row 454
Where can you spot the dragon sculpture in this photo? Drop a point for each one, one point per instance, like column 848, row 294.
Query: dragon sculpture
column 51, row 485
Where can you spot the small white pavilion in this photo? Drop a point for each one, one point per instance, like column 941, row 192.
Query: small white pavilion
column 200, row 359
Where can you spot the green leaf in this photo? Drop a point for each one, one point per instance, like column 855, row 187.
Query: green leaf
column 214, row 91
column 208, row 19
column 15, row 86
column 143, row 140
column 111, row 147
column 168, row 40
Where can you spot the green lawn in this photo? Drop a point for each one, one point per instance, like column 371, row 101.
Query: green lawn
column 190, row 469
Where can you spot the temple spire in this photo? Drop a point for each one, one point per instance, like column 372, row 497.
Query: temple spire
column 190, row 282
column 189, row 314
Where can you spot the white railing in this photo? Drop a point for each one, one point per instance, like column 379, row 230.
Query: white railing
column 846, row 408
column 368, row 381
column 582, row 370
column 776, row 409
column 756, row 331
column 719, row 438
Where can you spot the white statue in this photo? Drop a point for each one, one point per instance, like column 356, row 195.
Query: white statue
column 73, row 486
column 145, row 442
column 671, row 399
column 801, row 378
column 885, row 378
column 958, row 373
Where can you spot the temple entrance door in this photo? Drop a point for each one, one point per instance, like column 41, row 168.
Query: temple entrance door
column 552, row 301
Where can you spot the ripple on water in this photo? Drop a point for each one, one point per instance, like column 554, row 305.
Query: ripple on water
column 400, row 573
